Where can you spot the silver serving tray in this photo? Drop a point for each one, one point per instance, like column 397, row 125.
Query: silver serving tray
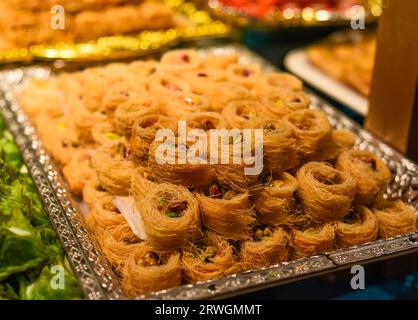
column 94, row 272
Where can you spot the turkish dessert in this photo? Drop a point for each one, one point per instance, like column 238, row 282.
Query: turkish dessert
column 199, row 165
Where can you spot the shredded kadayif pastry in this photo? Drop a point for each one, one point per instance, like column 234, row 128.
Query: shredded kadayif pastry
column 164, row 224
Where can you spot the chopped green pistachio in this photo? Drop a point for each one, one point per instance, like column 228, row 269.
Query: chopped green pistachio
column 268, row 232
column 229, row 195
column 258, row 235
column 210, row 253
column 172, row 214
column 277, row 184
column 121, row 150
column 112, row 135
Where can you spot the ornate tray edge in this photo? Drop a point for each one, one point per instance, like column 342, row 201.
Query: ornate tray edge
column 232, row 285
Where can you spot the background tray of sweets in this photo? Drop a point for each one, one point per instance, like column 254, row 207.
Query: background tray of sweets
column 341, row 66
column 162, row 25
column 93, row 271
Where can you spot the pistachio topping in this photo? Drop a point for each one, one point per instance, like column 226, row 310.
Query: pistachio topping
column 260, row 234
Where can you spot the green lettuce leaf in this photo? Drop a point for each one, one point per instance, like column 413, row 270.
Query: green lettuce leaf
column 21, row 247
column 29, row 248
column 10, row 152
column 50, row 285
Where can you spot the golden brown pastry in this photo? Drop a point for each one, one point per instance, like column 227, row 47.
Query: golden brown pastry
column 226, row 212
column 209, row 258
column 395, row 218
column 171, row 215
column 267, row 247
column 275, row 202
column 312, row 240
column 326, row 193
column 149, row 268
column 370, row 172
column 359, row 227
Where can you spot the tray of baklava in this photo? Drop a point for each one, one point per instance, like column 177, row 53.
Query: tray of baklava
column 204, row 173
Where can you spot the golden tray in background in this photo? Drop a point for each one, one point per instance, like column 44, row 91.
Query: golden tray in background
column 306, row 17
column 126, row 46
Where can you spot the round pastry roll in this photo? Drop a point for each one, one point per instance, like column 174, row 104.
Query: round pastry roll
column 118, row 244
column 131, row 110
column 281, row 102
column 371, row 173
column 275, row 202
column 267, row 247
column 172, row 162
column 312, row 240
column 63, row 144
column 226, row 212
column 141, row 69
column 95, row 82
column 114, row 168
column 142, row 181
column 282, row 80
column 85, row 120
column 149, row 269
column 33, row 97
column 78, row 171
column 311, row 129
column 395, row 218
column 104, row 133
column 104, row 216
column 325, row 192
column 233, row 168
column 143, row 134
column 341, row 140
column 202, row 79
column 246, row 75
column 163, row 83
column 181, row 105
column 222, row 93
column 279, row 144
column 171, row 215
column 221, row 60
column 180, row 61
column 122, row 92
column 93, row 192
column 206, row 121
column 209, row 258
column 239, row 113
column 359, row 227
